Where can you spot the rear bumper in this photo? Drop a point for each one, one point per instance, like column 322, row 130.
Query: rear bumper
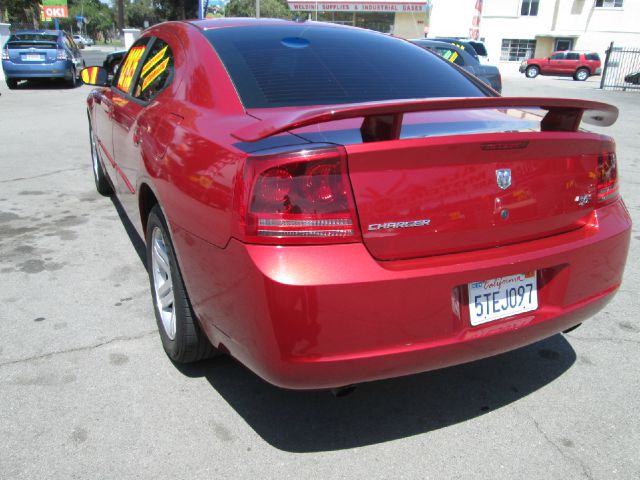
column 59, row 69
column 327, row 316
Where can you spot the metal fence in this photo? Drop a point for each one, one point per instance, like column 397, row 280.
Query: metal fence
column 621, row 63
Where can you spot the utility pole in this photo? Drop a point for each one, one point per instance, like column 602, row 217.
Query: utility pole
column 120, row 17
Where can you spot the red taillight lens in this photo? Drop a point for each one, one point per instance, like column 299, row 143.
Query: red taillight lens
column 607, row 178
column 300, row 197
column 61, row 55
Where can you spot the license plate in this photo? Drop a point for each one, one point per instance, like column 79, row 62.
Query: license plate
column 33, row 57
column 503, row 297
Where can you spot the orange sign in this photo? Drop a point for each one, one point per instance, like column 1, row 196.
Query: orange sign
column 55, row 12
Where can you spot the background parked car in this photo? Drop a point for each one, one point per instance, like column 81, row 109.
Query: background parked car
column 80, row 41
column 633, row 78
column 112, row 62
column 475, row 47
column 31, row 54
column 579, row 65
column 489, row 74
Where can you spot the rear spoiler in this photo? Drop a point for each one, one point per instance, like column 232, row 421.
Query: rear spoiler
column 383, row 120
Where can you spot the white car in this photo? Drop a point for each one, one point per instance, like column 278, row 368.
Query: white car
column 82, row 41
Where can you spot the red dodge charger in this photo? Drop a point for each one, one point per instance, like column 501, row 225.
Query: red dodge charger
column 331, row 205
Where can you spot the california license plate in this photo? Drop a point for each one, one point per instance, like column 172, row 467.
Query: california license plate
column 33, row 57
column 502, row 297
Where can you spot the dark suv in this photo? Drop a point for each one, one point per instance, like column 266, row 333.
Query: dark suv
column 579, row 65
column 32, row 54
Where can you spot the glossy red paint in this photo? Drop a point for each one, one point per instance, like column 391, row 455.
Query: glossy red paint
column 389, row 301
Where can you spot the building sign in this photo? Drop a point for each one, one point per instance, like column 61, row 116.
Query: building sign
column 53, row 9
column 336, row 6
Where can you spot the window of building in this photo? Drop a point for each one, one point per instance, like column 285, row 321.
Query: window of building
column 514, row 50
column 529, row 7
column 608, row 3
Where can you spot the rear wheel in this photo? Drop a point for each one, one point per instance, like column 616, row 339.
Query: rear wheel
column 581, row 74
column 73, row 81
column 102, row 182
column 532, row 71
column 12, row 83
column 182, row 338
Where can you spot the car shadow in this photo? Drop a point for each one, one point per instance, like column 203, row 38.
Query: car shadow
column 137, row 242
column 43, row 84
column 315, row 421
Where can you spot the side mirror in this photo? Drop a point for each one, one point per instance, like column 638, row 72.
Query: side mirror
column 95, row 76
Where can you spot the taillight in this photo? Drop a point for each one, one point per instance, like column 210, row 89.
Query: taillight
column 302, row 197
column 607, row 178
column 61, row 55
column 5, row 53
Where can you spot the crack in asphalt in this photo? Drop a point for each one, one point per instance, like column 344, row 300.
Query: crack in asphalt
column 573, row 459
column 55, row 172
column 78, row 349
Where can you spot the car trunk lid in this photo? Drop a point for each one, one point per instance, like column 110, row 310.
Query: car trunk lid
column 432, row 196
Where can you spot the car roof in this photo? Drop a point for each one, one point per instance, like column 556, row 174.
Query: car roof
column 246, row 21
column 43, row 32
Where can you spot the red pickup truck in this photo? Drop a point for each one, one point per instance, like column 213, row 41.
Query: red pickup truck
column 579, row 65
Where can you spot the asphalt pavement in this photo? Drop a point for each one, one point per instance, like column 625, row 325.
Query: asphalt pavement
column 86, row 390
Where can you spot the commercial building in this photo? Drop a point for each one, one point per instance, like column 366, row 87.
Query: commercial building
column 514, row 30
column 404, row 18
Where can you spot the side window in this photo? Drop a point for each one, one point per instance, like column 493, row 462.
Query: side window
column 557, row 56
column 129, row 65
column 69, row 43
column 156, row 73
column 450, row 55
column 593, row 56
column 572, row 56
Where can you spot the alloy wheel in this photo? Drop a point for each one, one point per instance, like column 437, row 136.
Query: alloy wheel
column 163, row 282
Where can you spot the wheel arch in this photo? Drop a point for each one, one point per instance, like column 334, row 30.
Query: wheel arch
column 147, row 199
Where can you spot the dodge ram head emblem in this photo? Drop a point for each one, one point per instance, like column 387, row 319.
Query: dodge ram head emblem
column 503, row 177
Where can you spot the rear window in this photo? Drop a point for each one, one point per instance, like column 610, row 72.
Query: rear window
column 592, row 56
column 479, row 48
column 26, row 40
column 288, row 65
column 572, row 56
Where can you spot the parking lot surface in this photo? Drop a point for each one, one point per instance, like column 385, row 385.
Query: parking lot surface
column 87, row 391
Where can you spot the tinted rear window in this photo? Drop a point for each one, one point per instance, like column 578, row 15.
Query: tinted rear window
column 592, row 56
column 479, row 48
column 289, row 65
column 29, row 40
column 40, row 37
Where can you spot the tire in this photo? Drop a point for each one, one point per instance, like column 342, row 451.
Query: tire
column 532, row 71
column 73, row 81
column 181, row 335
column 581, row 74
column 12, row 83
column 100, row 177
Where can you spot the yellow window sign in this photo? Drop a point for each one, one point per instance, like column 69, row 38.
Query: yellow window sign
column 129, row 68
column 155, row 73
column 152, row 61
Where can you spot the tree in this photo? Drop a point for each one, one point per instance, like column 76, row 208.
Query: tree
column 268, row 8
